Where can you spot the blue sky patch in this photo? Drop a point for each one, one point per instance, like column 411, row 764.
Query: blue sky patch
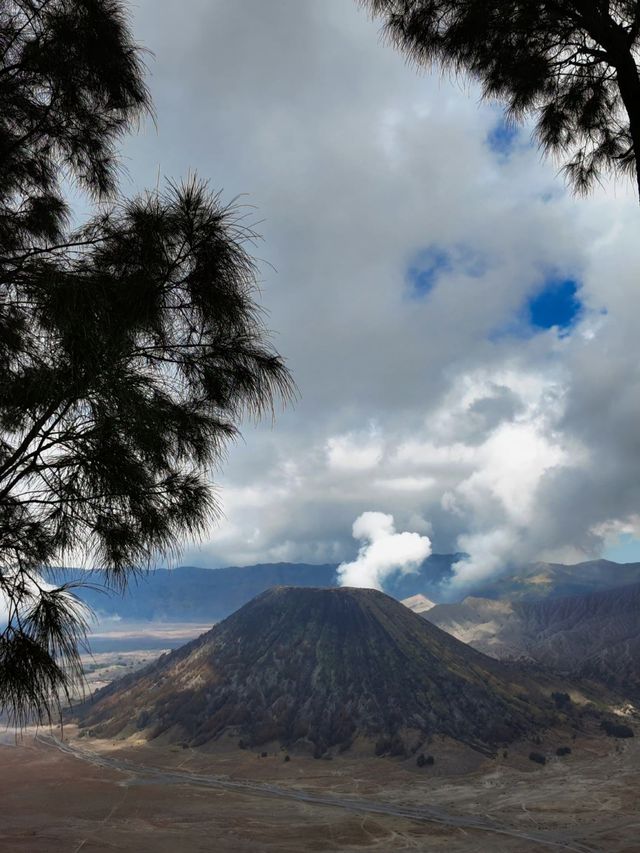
column 435, row 261
column 625, row 550
column 502, row 137
column 556, row 304
column 423, row 274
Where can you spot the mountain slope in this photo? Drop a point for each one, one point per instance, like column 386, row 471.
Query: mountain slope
column 322, row 667
column 595, row 635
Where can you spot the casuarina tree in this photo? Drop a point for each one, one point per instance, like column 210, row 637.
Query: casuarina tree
column 571, row 65
column 130, row 346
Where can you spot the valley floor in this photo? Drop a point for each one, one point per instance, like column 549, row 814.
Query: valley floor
column 102, row 796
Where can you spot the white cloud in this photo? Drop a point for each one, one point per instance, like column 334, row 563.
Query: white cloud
column 509, row 467
column 354, row 451
column 408, row 484
column 383, row 552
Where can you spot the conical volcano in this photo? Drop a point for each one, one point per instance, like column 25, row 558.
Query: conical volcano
column 322, row 667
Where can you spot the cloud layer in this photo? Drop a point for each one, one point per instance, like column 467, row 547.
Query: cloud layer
column 410, row 242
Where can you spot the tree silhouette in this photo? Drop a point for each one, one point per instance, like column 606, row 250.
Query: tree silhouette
column 572, row 64
column 130, row 347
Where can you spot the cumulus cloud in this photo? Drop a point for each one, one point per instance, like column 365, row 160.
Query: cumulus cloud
column 382, row 552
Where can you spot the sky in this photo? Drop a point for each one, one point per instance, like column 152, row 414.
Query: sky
column 461, row 328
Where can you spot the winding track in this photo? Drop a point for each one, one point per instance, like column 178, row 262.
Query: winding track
column 424, row 814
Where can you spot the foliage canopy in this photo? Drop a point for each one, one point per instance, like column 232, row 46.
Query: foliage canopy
column 130, row 347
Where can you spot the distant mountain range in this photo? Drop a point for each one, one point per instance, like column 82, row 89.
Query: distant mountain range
column 319, row 669
column 595, row 635
column 555, row 580
column 189, row 594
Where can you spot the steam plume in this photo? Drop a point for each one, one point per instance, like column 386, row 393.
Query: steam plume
column 382, row 552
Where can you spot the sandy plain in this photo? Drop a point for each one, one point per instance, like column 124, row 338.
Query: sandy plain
column 156, row 799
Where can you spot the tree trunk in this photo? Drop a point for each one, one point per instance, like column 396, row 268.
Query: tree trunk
column 615, row 40
column 629, row 85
